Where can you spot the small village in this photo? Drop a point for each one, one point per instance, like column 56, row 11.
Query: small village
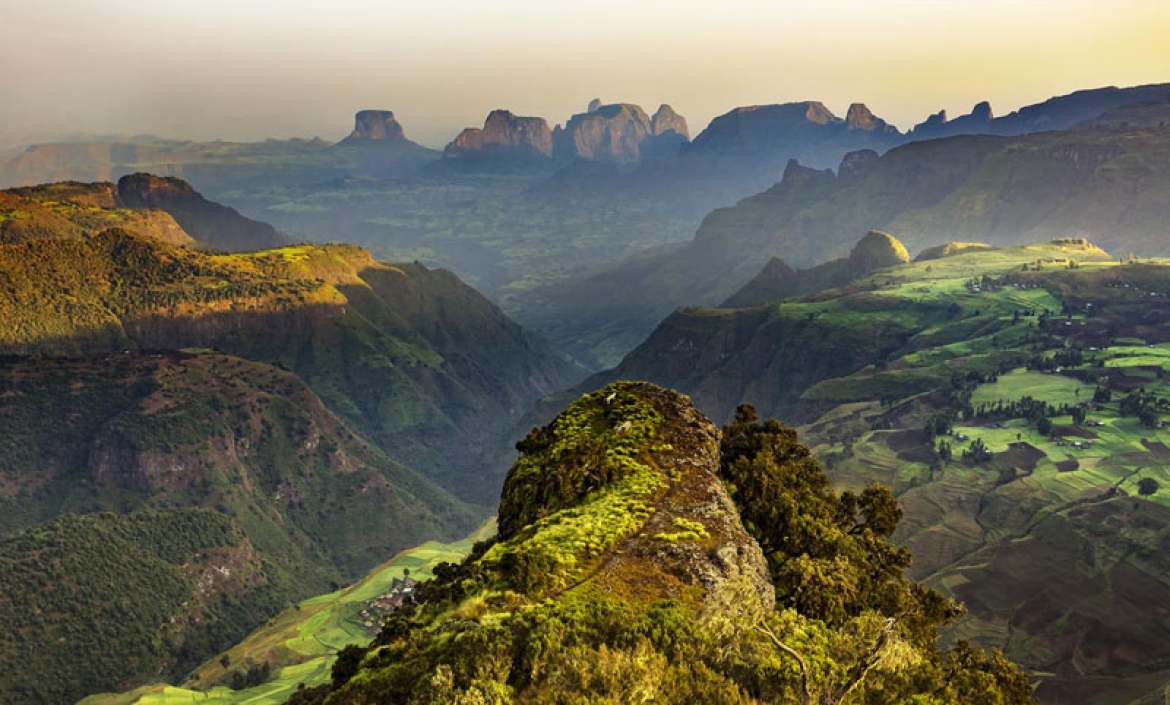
column 375, row 610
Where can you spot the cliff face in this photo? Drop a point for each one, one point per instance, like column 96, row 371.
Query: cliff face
column 621, row 132
column 504, row 137
column 211, row 224
column 376, row 125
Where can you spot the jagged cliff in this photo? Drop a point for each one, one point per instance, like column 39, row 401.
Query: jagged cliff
column 621, row 133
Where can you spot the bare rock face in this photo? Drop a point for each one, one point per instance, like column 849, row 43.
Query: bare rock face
column 666, row 120
column 860, row 117
column 612, row 133
column 376, row 125
column 668, row 134
column 503, row 136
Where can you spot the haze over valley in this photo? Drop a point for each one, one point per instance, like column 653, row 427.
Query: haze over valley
column 656, row 352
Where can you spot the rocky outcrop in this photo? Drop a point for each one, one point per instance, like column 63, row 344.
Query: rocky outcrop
column 375, row 126
column 611, row 133
column 668, row 134
column 504, row 137
column 860, row 117
column 666, row 120
column 979, row 121
column 211, row 224
column 790, row 127
column 688, row 533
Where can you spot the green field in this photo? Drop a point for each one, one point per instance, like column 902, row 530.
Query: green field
column 301, row 643
column 1052, row 388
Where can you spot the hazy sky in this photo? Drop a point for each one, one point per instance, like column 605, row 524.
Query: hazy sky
column 247, row 69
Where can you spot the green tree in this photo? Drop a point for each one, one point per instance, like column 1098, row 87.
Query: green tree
column 853, row 625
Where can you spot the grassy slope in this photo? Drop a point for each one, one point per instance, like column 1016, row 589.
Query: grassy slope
column 1020, row 539
column 73, row 210
column 300, row 643
column 1058, row 567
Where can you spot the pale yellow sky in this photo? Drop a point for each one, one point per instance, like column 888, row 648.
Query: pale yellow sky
column 247, row 69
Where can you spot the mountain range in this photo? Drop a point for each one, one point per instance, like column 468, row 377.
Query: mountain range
column 206, row 421
column 510, row 211
column 301, row 408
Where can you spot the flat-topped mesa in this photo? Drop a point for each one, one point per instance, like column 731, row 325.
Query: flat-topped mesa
column 504, row 136
column 375, row 126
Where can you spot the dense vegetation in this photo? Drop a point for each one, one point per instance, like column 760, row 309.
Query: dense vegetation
column 549, row 613
column 91, row 601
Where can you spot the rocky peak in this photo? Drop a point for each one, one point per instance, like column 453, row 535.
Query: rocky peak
column 612, row 133
column 877, row 250
column 593, row 105
column 860, row 117
column 376, row 125
column 982, row 112
column 932, row 121
column 637, row 467
column 666, row 120
column 504, row 136
column 816, row 112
